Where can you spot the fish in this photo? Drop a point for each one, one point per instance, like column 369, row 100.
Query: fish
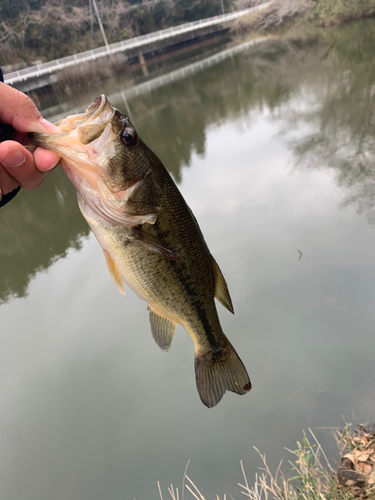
column 150, row 238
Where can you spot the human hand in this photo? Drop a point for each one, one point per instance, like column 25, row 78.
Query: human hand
column 18, row 166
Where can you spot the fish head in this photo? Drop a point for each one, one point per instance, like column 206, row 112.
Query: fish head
column 104, row 158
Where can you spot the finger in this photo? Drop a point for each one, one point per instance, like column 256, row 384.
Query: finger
column 18, row 110
column 46, row 160
column 7, row 183
column 20, row 137
column 19, row 164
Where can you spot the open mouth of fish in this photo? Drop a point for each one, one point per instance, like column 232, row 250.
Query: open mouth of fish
column 84, row 135
column 88, row 143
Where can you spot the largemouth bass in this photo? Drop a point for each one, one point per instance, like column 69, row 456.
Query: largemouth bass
column 150, row 238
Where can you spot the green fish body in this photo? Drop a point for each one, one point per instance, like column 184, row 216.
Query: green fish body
column 150, row 238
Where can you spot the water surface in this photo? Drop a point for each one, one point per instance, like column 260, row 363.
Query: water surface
column 273, row 149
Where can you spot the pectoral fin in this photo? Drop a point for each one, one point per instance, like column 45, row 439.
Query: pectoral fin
column 162, row 329
column 114, row 272
column 152, row 243
column 221, row 287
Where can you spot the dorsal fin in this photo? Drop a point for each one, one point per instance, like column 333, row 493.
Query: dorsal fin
column 114, row 272
column 221, row 287
column 162, row 329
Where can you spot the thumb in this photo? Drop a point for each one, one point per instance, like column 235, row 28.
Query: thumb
column 18, row 110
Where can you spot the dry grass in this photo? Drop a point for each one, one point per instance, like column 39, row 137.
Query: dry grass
column 312, row 477
column 275, row 14
column 331, row 12
column 321, row 12
column 356, row 473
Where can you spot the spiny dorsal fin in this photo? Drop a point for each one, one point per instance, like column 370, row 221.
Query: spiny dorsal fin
column 115, row 273
column 162, row 329
column 221, row 287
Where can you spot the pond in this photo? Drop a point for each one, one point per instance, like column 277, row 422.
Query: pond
column 272, row 146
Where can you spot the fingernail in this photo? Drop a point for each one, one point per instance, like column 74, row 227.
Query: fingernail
column 53, row 166
column 50, row 127
column 13, row 158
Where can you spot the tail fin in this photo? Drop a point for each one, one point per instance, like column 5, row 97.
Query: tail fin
column 220, row 371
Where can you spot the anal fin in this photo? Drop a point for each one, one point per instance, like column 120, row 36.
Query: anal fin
column 114, row 272
column 162, row 329
column 221, row 287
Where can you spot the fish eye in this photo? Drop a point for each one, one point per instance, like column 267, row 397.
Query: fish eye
column 128, row 136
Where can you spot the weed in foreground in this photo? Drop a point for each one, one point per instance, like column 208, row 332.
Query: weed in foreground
column 311, row 475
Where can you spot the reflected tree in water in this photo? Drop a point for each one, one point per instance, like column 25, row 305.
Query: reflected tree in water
column 333, row 106
column 37, row 228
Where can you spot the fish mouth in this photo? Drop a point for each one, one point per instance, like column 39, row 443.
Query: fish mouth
column 83, row 135
column 97, row 114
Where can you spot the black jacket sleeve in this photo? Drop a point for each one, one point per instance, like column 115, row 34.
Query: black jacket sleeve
column 5, row 133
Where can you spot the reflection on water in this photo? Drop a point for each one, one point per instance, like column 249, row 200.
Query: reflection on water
column 273, row 150
column 334, row 106
column 35, row 230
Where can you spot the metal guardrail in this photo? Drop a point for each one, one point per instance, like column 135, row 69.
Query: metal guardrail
column 88, row 55
column 60, row 111
column 191, row 69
